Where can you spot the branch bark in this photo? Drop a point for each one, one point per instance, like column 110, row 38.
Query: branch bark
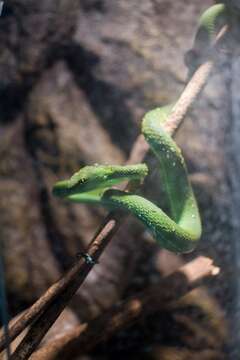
column 86, row 336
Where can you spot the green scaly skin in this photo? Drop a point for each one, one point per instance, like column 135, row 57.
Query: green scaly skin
column 210, row 22
column 92, row 184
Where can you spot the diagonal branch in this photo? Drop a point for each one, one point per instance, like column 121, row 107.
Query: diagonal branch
column 46, row 310
column 85, row 337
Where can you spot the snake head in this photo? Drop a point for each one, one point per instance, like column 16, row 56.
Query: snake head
column 98, row 177
column 84, row 180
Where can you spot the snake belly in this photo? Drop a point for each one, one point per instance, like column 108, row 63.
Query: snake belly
column 178, row 232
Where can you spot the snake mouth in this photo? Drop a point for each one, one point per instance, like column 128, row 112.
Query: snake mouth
column 61, row 188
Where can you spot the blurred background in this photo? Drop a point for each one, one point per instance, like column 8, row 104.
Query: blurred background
column 76, row 77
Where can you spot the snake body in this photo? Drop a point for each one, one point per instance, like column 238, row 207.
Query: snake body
column 92, row 185
column 180, row 231
column 210, row 22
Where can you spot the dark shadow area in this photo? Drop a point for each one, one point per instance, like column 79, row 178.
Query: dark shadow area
column 93, row 5
column 107, row 101
column 7, row 10
column 12, row 101
column 34, row 144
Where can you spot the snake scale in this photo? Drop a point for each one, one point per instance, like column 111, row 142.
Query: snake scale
column 180, row 231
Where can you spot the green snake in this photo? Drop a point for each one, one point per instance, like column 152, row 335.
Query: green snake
column 210, row 23
column 180, row 231
column 92, row 185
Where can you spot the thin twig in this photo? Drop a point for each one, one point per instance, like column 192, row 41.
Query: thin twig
column 51, row 304
column 85, row 337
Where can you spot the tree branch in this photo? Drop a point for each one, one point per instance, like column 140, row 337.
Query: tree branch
column 86, row 336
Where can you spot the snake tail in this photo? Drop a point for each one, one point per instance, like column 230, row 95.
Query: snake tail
column 210, row 23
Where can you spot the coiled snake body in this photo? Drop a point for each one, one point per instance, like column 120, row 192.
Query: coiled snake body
column 92, row 184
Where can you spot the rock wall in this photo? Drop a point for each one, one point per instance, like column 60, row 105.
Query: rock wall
column 76, row 79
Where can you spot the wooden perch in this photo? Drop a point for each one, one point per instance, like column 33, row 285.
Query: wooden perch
column 85, row 337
